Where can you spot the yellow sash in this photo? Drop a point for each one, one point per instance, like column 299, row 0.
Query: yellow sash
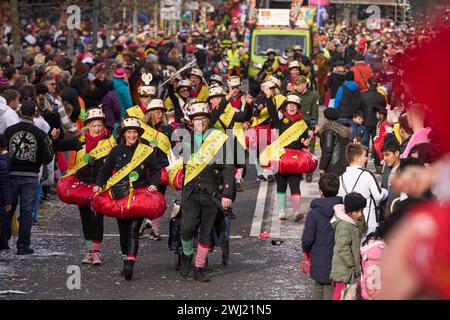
column 101, row 150
column 239, row 133
column 168, row 103
column 264, row 115
column 140, row 154
column 136, row 111
column 152, row 135
column 203, row 157
column 178, row 165
column 226, row 117
column 203, row 95
column 275, row 150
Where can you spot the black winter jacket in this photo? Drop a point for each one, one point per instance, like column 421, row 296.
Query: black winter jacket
column 371, row 101
column 283, row 124
column 334, row 82
column 29, row 147
column 217, row 173
column 239, row 116
column 334, row 138
column 149, row 172
column 351, row 102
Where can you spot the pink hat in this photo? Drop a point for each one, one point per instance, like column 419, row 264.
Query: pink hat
column 119, row 73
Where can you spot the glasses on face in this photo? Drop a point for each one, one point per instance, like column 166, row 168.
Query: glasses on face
column 52, row 83
column 184, row 90
column 235, row 88
column 202, row 119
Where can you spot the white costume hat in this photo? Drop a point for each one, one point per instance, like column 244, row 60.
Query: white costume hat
column 94, row 114
column 155, row 104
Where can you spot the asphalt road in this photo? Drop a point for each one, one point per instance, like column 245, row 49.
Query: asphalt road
column 257, row 269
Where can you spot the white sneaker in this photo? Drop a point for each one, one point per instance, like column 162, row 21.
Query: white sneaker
column 87, row 259
column 282, row 215
column 96, row 258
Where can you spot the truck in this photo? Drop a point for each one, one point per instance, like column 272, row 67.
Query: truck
column 273, row 32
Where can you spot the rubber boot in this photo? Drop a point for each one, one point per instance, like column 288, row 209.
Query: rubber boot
column 128, row 269
column 186, row 262
column 200, row 275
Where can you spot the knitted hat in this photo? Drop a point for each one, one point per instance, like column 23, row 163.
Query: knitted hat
column 354, row 201
column 119, row 73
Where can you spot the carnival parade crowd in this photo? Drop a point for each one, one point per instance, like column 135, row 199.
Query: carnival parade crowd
column 114, row 128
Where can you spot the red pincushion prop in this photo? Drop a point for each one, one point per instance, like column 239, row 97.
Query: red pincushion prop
column 295, row 162
column 144, row 204
column 70, row 190
column 178, row 180
column 164, row 177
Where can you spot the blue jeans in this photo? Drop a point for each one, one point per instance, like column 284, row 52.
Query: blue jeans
column 36, row 203
column 24, row 188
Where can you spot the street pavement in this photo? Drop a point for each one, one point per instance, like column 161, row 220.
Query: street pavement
column 257, row 269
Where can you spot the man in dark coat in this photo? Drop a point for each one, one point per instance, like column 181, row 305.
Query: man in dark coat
column 334, row 138
column 336, row 79
column 30, row 148
column 372, row 100
column 348, row 97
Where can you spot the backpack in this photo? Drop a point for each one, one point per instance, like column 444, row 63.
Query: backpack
column 370, row 266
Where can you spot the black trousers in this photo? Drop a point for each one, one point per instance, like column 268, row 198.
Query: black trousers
column 284, row 179
column 129, row 235
column 221, row 233
column 198, row 210
column 162, row 189
column 92, row 224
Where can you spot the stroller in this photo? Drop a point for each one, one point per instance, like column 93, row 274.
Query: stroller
column 220, row 236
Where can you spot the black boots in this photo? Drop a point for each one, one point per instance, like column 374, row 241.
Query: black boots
column 199, row 275
column 309, row 178
column 225, row 248
column 186, row 262
column 25, row 251
column 128, row 267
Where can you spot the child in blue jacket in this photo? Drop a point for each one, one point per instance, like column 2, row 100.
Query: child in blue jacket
column 318, row 236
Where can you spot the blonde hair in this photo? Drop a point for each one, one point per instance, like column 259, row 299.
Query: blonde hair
column 88, row 126
column 174, row 53
column 148, row 118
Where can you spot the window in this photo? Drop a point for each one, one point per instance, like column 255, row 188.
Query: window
column 278, row 42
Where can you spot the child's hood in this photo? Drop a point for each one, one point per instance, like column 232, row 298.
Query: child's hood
column 340, row 216
column 325, row 205
column 374, row 249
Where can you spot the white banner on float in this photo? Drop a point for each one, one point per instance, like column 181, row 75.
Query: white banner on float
column 280, row 17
